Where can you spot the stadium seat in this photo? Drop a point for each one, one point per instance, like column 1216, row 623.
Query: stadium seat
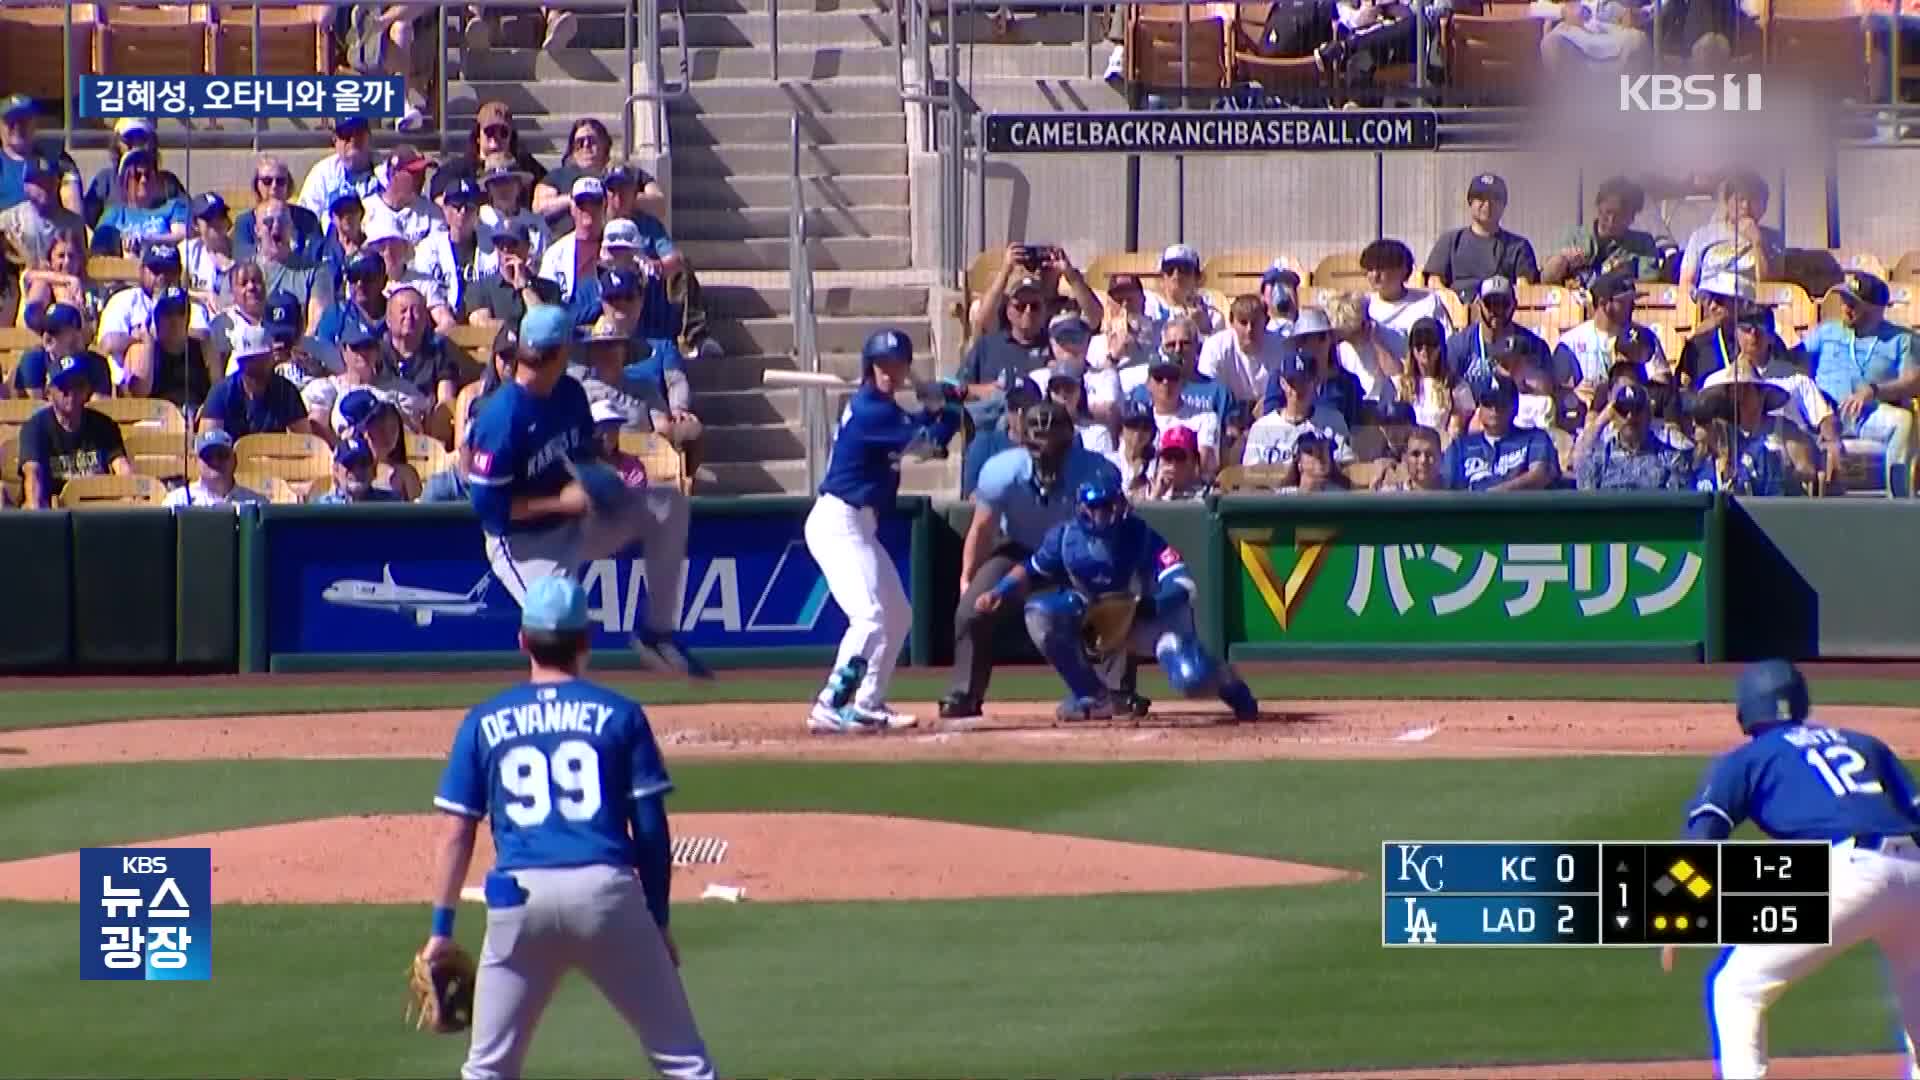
column 170, row 40
column 1236, row 272
column 1340, row 270
column 291, row 457
column 147, row 413
column 277, row 491
column 30, row 35
column 295, row 41
column 1657, row 297
column 1494, row 56
column 1793, row 311
column 17, row 339
column 9, row 362
column 163, row 455
column 18, row 411
column 313, row 489
column 664, row 463
column 462, row 409
column 1816, row 42
column 1369, row 443
column 113, row 268
column 1153, row 47
column 90, row 492
column 1362, row 475
column 10, row 465
column 1249, row 479
column 475, row 340
column 1143, row 264
column 1457, row 313
column 1907, row 267
column 426, row 454
column 1276, row 74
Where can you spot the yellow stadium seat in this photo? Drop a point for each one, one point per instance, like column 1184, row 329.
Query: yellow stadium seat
column 664, row 463
column 30, row 40
column 1819, row 43
column 1497, row 53
column 1670, row 305
column 10, row 466
column 17, row 411
column 1340, row 270
column 463, row 410
column 1793, row 311
column 291, row 457
column 1559, row 299
column 277, row 491
column 9, row 363
column 1907, row 266
column 315, row 488
column 1363, row 475
column 153, row 413
column 89, row 492
column 1143, row 264
column 163, row 455
column 17, row 339
column 477, row 340
column 426, row 454
column 108, row 268
column 1457, row 313
column 1236, row 272
column 296, row 41
column 1247, row 479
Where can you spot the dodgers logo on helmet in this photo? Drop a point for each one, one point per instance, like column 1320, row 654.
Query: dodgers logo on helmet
column 889, row 344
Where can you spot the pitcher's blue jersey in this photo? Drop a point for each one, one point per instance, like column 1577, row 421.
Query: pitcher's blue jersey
column 520, row 447
column 1128, row 558
column 1807, row 782
column 865, row 467
column 556, row 768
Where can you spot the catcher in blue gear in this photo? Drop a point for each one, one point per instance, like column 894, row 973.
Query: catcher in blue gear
column 1123, row 591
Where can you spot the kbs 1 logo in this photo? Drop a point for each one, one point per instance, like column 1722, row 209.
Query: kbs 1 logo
column 1690, row 93
column 146, row 913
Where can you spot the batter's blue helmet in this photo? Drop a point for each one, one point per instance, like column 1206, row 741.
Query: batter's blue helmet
column 1770, row 693
column 885, row 346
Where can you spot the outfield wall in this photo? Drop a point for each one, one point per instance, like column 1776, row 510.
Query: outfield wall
column 1674, row 577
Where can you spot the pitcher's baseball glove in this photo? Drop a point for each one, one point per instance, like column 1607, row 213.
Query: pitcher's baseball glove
column 1109, row 623
column 442, row 991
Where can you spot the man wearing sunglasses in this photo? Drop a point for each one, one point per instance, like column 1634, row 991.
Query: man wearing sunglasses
column 1010, row 352
column 272, row 180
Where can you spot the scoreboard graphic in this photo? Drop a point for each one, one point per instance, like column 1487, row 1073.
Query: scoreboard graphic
column 1571, row 895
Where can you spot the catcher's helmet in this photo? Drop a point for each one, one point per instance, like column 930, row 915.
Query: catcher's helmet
column 887, row 346
column 1100, row 503
column 1770, row 693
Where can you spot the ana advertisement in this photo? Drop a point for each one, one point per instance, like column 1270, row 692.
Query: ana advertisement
column 389, row 585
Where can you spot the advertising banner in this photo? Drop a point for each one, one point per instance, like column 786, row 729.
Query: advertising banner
column 396, row 583
column 1469, row 579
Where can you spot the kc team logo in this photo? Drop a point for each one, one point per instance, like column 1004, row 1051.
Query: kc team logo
column 146, row 914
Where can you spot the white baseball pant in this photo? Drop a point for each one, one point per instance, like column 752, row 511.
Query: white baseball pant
column 845, row 541
column 594, row 918
column 656, row 518
column 1876, row 894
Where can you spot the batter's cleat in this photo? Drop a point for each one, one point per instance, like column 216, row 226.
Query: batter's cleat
column 1077, row 709
column 827, row 720
column 1239, row 697
column 1134, row 705
column 882, row 716
column 661, row 653
column 959, row 707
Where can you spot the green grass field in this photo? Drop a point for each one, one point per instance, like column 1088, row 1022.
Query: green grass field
column 1243, row 980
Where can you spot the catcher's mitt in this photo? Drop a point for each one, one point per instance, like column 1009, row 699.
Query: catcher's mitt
column 1109, row 623
column 442, row 991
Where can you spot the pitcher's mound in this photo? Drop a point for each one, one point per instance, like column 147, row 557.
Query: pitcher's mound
column 389, row 860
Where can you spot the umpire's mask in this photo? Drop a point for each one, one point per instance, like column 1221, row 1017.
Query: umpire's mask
column 1049, row 435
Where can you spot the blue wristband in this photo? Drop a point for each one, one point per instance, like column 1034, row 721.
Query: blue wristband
column 1005, row 588
column 442, row 922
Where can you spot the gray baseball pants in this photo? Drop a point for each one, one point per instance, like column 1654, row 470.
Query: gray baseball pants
column 656, row 518
column 594, row 918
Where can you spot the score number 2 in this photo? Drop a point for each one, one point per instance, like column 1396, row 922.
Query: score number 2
column 1838, row 766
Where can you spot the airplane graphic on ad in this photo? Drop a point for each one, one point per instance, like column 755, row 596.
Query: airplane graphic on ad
column 423, row 605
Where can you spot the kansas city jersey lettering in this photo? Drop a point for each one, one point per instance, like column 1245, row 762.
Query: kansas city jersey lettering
column 521, row 445
column 1129, row 558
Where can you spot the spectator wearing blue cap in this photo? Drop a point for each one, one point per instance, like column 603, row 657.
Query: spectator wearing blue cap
column 1280, row 292
column 1180, row 340
column 170, row 364
column 62, row 332
column 450, row 254
column 29, row 226
column 215, row 486
column 254, row 400
column 19, row 147
column 128, row 315
column 363, row 303
column 67, row 438
column 276, row 251
column 1499, row 456
column 349, row 167
column 1271, row 438
column 208, row 257
column 144, row 214
column 1866, row 367
column 272, row 180
column 371, row 415
column 361, row 369
column 1134, row 451
column 1462, row 258
column 414, row 352
column 573, row 261
column 1014, row 393
column 501, row 298
column 346, row 235
column 1634, row 458
column 354, row 465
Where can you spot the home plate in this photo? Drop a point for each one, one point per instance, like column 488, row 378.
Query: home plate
column 1419, row 734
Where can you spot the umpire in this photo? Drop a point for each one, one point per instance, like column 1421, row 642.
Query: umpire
column 1022, row 493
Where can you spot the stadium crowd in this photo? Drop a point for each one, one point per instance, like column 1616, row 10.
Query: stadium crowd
column 1373, row 383
column 369, row 305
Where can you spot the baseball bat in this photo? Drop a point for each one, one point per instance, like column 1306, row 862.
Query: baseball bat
column 805, row 379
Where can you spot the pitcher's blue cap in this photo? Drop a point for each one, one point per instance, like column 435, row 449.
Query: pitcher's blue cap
column 545, row 326
column 554, row 605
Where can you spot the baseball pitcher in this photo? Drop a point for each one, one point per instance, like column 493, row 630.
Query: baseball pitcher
column 571, row 781
column 1123, row 592
column 548, row 507
column 1798, row 780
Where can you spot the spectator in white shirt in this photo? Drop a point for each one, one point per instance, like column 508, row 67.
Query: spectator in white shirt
column 1585, row 353
column 452, row 254
column 1433, row 390
column 360, row 369
column 246, row 310
column 1178, row 291
column 574, row 257
column 216, row 486
column 1735, row 242
column 128, row 314
column 1393, row 307
column 396, row 254
column 401, row 200
column 1271, row 439
column 349, row 167
column 1065, row 384
column 1245, row 353
column 1758, row 359
column 1127, row 337
column 1165, row 377
column 208, row 256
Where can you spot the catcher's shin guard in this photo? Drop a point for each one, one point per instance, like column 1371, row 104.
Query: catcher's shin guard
column 1054, row 620
column 1191, row 671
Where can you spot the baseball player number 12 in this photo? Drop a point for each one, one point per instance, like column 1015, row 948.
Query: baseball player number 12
column 1547, row 895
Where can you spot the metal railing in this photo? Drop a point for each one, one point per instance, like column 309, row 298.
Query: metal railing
column 645, row 15
column 944, row 123
column 806, row 349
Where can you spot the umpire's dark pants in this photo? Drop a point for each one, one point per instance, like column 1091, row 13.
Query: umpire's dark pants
column 973, row 632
